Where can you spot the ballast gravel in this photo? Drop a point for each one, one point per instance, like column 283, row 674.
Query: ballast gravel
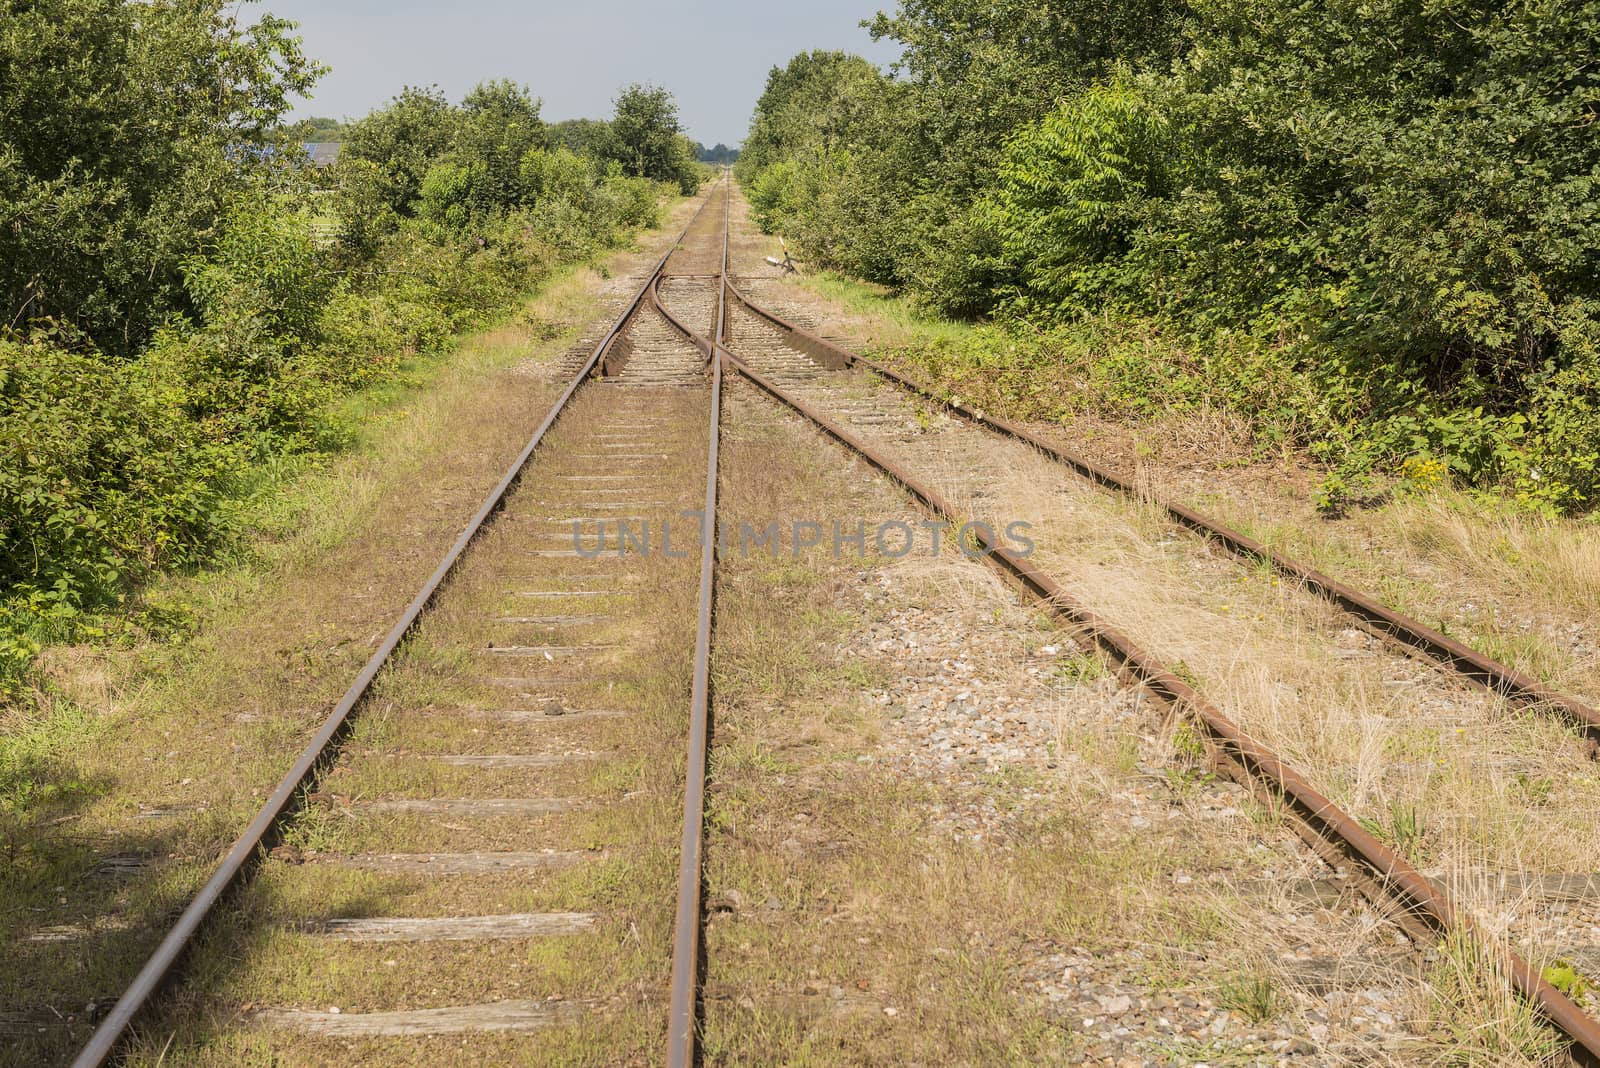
column 982, row 688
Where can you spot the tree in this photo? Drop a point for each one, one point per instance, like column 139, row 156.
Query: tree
column 720, row 153
column 123, row 130
column 829, row 162
column 812, row 105
column 586, row 137
column 318, row 128
column 404, row 140
column 500, row 125
column 500, row 119
column 647, row 138
column 979, row 70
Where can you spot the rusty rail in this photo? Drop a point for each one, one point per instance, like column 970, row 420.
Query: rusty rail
column 683, row 1000
column 1394, row 885
column 1410, row 634
column 1420, row 905
column 246, row 851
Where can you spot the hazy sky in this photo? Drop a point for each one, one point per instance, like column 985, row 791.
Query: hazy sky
column 713, row 54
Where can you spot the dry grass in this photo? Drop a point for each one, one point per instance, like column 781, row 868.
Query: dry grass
column 848, row 924
column 1519, row 587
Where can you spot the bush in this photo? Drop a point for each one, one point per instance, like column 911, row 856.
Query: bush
column 557, row 175
column 104, row 478
column 115, row 467
column 1073, row 191
column 628, row 204
column 770, row 199
column 1388, row 209
column 445, row 197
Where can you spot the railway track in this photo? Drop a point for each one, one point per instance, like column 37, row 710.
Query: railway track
column 820, row 380
column 515, row 714
column 518, row 713
column 1407, row 634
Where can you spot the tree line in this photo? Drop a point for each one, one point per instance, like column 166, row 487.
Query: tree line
column 183, row 301
column 1371, row 226
column 718, row 153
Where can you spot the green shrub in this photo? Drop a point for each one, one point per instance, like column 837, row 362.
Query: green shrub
column 626, row 204
column 557, row 175
column 1073, row 191
column 106, row 475
column 265, row 265
column 445, row 197
column 769, row 200
column 1370, row 228
column 114, row 468
column 104, row 478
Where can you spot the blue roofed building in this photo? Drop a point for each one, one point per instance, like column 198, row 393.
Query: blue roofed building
column 322, row 153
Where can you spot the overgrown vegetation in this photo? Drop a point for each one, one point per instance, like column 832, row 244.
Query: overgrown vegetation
column 185, row 300
column 1370, row 227
column 644, row 138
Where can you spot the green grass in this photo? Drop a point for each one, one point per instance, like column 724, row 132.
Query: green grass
column 899, row 319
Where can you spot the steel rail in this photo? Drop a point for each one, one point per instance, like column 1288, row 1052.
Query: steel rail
column 1410, row 634
column 284, row 800
column 1333, row 833
column 1393, row 884
column 698, row 341
column 683, row 1001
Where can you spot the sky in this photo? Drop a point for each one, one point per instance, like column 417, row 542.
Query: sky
column 713, row 55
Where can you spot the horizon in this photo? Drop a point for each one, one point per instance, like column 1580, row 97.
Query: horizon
column 366, row 44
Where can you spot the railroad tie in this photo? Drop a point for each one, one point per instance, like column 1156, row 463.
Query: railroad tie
column 453, row 1020
column 462, row 806
column 453, row 928
column 485, row 863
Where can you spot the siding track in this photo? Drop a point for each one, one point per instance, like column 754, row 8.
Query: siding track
column 816, row 378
